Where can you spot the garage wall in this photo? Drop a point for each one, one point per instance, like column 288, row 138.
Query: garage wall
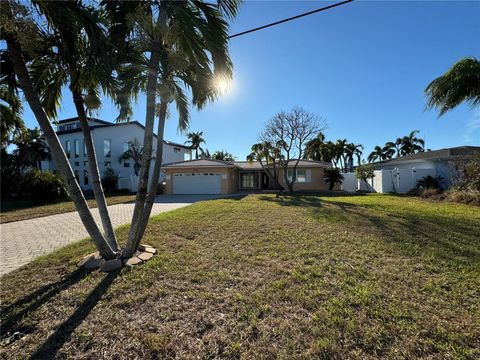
column 228, row 184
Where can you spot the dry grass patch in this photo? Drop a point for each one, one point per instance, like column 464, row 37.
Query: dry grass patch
column 16, row 210
column 359, row 277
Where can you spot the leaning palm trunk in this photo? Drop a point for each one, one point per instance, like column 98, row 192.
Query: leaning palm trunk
column 94, row 172
column 131, row 246
column 58, row 155
column 152, row 191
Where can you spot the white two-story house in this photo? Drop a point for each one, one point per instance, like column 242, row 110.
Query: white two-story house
column 111, row 140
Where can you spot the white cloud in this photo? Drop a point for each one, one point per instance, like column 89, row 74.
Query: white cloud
column 472, row 130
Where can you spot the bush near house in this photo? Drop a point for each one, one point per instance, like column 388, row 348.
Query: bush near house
column 42, row 186
column 466, row 190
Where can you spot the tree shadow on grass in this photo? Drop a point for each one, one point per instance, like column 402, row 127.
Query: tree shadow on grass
column 55, row 341
column 37, row 299
column 412, row 235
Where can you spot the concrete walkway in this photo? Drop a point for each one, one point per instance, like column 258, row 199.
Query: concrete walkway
column 22, row 241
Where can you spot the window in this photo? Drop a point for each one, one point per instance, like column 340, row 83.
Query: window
column 68, row 148
column 126, row 147
column 126, row 164
column 300, row 178
column 107, row 148
column 84, row 148
column 248, row 180
column 176, row 150
column 85, row 163
column 85, row 177
column 76, row 163
column 76, row 146
column 107, row 164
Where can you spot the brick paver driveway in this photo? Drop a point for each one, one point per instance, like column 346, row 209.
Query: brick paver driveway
column 22, row 241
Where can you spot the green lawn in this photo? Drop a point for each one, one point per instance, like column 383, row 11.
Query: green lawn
column 15, row 210
column 347, row 277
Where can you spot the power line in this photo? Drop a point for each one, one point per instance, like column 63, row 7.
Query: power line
column 290, row 18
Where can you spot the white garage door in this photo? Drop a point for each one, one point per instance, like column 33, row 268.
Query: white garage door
column 197, row 183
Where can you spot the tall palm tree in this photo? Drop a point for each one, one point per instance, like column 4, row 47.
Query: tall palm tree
column 411, row 144
column 185, row 49
column 21, row 31
column 11, row 122
column 353, row 150
column 460, row 83
column 195, row 140
column 223, row 155
column 377, row 154
column 313, row 148
column 31, row 148
column 75, row 56
column 340, row 155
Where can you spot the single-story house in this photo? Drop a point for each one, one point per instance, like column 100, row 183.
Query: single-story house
column 207, row 176
column 401, row 174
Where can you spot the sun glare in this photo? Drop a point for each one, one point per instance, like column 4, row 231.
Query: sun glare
column 223, row 85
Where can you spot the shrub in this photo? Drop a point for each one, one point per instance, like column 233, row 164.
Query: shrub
column 109, row 180
column 43, row 186
column 469, row 176
column 332, row 176
column 468, row 197
column 430, row 182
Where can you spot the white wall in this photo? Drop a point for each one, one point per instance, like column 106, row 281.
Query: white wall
column 397, row 180
column 118, row 135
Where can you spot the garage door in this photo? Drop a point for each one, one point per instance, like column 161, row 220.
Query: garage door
column 197, row 183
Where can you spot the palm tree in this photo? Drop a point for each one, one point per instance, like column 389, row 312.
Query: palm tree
column 332, row 176
column 411, row 144
column 313, row 148
column 353, row 150
column 223, row 155
column 388, row 150
column 31, row 149
column 376, row 155
column 79, row 65
column 460, row 83
column 11, row 122
column 185, row 49
column 195, row 140
column 135, row 153
column 23, row 31
column 268, row 157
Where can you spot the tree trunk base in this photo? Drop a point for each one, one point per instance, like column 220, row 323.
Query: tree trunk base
column 95, row 261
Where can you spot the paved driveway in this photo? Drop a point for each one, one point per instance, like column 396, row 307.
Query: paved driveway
column 22, row 241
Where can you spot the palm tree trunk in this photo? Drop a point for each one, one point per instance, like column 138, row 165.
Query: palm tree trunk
column 152, row 191
column 147, row 153
column 94, row 172
column 58, row 155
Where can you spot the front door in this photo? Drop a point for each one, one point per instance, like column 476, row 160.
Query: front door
column 265, row 181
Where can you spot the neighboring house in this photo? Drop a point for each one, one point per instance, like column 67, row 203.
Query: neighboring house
column 401, row 174
column 111, row 140
column 206, row 176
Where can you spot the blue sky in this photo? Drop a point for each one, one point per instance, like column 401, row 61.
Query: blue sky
column 362, row 66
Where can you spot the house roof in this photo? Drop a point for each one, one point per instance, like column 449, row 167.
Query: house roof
column 199, row 163
column 255, row 165
column 63, row 121
column 242, row 165
column 109, row 124
column 441, row 154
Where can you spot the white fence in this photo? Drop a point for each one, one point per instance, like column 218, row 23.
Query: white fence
column 396, row 180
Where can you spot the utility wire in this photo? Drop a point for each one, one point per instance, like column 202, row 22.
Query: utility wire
column 290, row 18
